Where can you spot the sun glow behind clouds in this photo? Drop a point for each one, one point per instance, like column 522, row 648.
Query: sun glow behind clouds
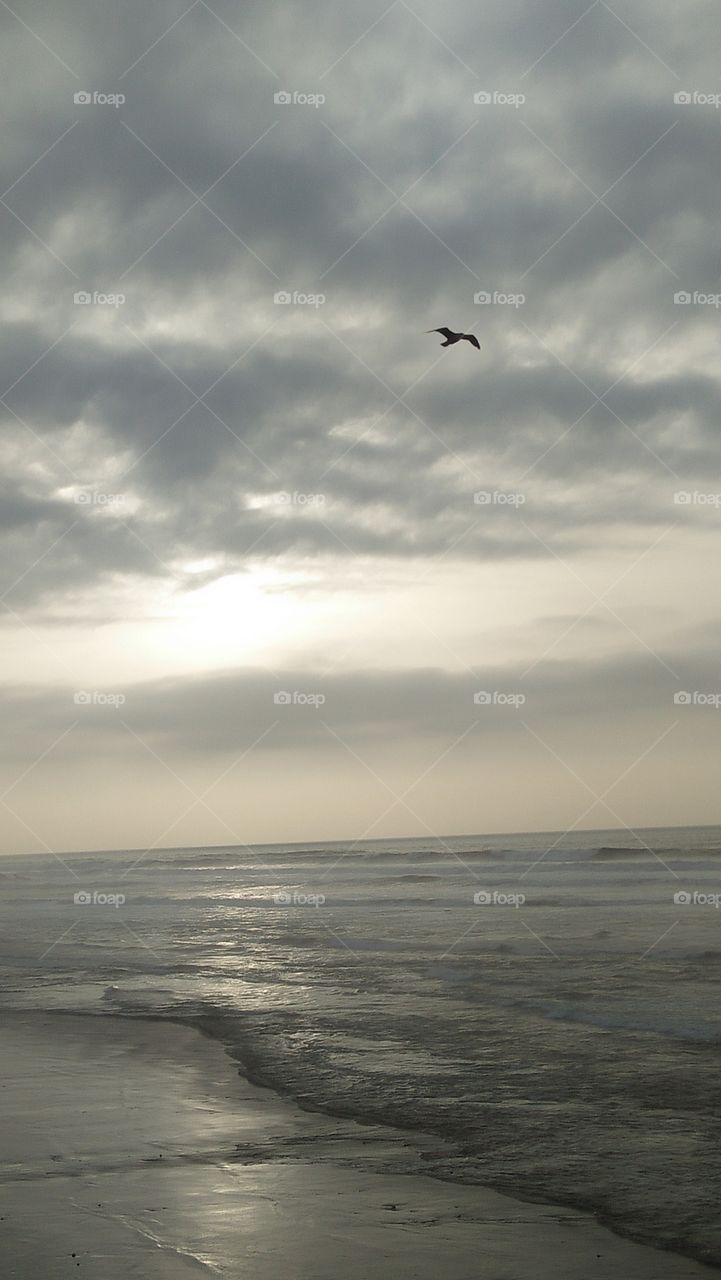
column 263, row 617
column 241, row 617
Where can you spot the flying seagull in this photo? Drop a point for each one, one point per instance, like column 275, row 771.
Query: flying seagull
column 451, row 337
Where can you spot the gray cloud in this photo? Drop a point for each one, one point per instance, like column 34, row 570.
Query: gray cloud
column 298, row 399
column 219, row 712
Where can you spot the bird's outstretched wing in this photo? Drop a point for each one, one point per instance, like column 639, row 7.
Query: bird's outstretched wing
column 471, row 337
column 447, row 333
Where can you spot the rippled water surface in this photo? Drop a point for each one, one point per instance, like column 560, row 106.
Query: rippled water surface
column 548, row 1006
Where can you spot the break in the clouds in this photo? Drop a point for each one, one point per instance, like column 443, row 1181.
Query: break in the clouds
column 227, row 438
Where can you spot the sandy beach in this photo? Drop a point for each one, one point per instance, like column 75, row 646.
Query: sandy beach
column 133, row 1148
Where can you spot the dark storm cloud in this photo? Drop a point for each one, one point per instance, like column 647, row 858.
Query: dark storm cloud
column 295, row 414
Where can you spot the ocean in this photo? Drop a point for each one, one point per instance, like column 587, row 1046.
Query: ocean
column 546, row 1005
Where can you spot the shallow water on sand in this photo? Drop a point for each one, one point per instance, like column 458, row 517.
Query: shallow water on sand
column 136, row 1152
column 561, row 1034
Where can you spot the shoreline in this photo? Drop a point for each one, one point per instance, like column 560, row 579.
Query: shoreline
column 297, row 1152
column 247, row 1064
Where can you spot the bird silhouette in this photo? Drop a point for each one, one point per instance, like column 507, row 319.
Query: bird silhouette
column 451, row 337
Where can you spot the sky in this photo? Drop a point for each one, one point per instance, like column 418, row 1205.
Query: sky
column 276, row 566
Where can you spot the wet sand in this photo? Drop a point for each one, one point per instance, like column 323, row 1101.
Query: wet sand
column 134, row 1149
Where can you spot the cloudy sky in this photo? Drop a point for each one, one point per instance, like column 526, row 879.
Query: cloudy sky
column 236, row 467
